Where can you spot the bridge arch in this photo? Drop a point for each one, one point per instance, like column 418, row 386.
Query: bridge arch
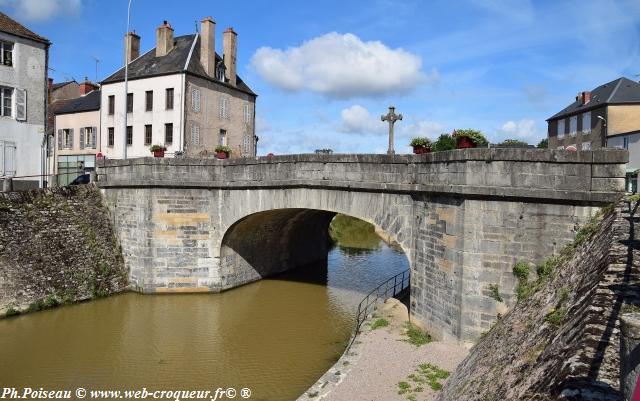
column 282, row 229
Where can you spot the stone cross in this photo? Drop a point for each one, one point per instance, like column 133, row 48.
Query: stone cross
column 391, row 117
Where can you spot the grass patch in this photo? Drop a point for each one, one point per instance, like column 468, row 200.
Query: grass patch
column 426, row 375
column 415, row 336
column 555, row 316
column 494, row 292
column 628, row 308
column 379, row 323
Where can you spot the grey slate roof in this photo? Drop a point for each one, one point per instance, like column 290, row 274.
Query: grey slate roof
column 148, row 65
column 13, row 27
column 61, row 84
column 619, row 91
column 88, row 102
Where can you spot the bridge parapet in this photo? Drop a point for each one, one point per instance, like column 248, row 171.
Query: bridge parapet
column 587, row 176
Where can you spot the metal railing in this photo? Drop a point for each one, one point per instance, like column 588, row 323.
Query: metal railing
column 388, row 289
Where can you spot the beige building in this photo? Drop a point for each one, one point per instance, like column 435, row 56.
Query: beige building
column 180, row 94
column 607, row 116
column 76, row 138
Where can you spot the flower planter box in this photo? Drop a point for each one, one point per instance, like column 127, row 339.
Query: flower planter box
column 418, row 150
column 222, row 155
column 158, row 153
column 465, row 143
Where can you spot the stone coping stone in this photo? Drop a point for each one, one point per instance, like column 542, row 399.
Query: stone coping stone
column 602, row 156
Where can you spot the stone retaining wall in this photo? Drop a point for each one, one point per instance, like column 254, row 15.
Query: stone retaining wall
column 56, row 246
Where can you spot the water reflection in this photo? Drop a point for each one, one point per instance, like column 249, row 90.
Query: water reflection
column 275, row 336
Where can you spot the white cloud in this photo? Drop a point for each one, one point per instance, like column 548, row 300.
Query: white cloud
column 41, row 10
column 524, row 129
column 357, row 120
column 341, row 66
column 262, row 125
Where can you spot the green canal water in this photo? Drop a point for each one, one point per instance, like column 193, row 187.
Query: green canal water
column 275, row 337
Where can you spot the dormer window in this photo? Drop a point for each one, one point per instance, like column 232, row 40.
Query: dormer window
column 220, row 72
column 6, row 53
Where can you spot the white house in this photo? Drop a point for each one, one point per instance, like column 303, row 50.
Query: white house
column 23, row 98
column 181, row 95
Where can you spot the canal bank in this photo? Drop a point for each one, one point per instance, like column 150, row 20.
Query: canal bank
column 390, row 360
column 275, row 336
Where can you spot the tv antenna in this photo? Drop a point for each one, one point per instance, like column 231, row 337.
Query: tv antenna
column 97, row 61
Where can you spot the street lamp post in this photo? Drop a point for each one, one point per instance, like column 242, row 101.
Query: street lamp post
column 126, row 90
column 604, row 126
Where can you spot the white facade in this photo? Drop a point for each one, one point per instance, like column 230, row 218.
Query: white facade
column 140, row 117
column 22, row 128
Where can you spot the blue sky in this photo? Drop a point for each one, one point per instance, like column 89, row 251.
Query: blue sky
column 325, row 71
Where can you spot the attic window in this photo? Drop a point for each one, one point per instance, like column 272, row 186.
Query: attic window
column 220, row 72
column 6, row 53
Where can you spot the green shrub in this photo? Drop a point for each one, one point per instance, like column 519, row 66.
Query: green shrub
column 521, row 270
column 444, row 142
column 556, row 316
column 513, row 143
column 11, row 312
column 543, row 144
column 494, row 292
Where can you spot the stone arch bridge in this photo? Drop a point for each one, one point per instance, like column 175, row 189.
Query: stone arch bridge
column 462, row 217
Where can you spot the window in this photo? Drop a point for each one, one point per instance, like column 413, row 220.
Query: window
column 195, row 99
column 195, row 134
column 147, row 134
column 65, row 138
column 586, row 145
column 112, row 104
column 586, row 122
column 88, row 137
column 148, row 103
column 111, row 136
column 220, row 72
column 6, row 53
column 129, row 135
column 561, row 128
column 224, row 108
column 247, row 113
column 169, row 99
column 573, row 125
column 168, row 134
column 6, row 98
column 222, row 137
column 129, row 102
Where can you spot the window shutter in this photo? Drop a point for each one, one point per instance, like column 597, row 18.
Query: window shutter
column 60, row 139
column 70, row 144
column 195, row 99
column 94, row 134
column 2, row 158
column 195, row 134
column 221, row 108
column 9, row 159
column 82, row 133
column 21, row 104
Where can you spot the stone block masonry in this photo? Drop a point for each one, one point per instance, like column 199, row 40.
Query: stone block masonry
column 463, row 218
column 56, row 246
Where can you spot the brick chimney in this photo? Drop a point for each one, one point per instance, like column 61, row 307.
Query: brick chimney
column 131, row 46
column 230, row 44
column 208, row 45
column 164, row 39
column 586, row 97
column 87, row 86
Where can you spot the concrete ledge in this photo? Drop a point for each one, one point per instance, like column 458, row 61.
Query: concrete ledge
column 469, row 190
